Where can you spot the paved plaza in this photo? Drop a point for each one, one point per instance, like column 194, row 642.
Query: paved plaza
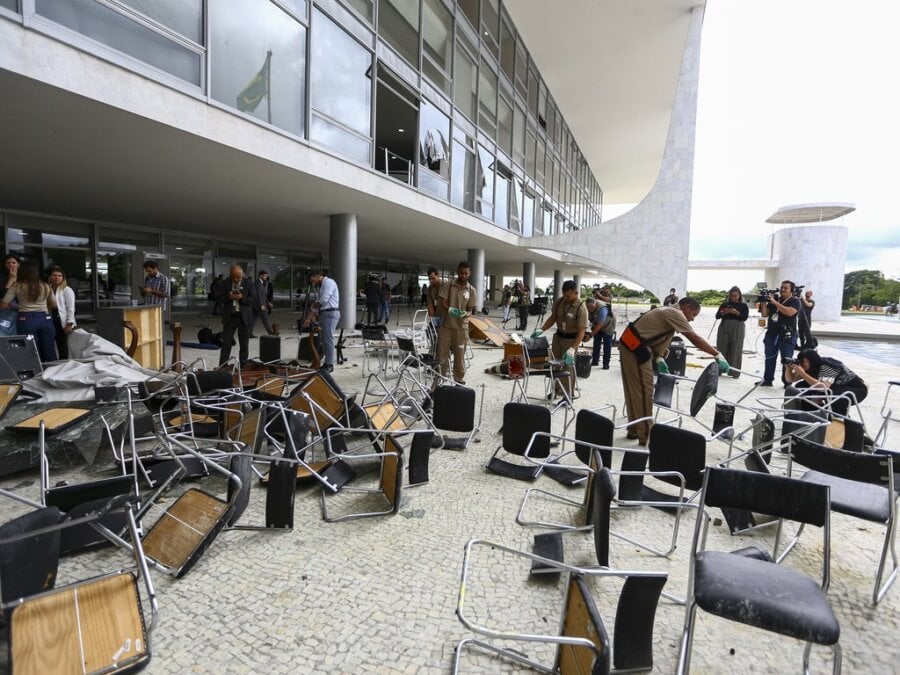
column 379, row 594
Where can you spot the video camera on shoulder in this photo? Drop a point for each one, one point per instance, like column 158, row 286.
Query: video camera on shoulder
column 764, row 293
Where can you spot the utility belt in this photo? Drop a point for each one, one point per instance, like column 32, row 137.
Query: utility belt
column 328, row 309
column 636, row 344
column 566, row 336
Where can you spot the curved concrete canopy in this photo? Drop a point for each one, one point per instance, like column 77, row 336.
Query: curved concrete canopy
column 612, row 68
column 810, row 213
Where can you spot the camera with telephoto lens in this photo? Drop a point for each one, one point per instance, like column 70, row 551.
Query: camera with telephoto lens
column 798, row 291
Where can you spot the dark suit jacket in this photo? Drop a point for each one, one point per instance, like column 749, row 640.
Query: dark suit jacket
column 264, row 293
column 246, row 303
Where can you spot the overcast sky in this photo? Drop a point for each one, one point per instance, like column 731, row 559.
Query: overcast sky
column 799, row 103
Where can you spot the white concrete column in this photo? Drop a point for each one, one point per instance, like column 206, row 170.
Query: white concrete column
column 577, row 279
column 342, row 257
column 528, row 275
column 557, row 284
column 812, row 256
column 476, row 260
column 494, row 282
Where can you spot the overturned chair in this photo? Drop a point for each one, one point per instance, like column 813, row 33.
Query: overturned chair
column 583, row 645
column 92, row 625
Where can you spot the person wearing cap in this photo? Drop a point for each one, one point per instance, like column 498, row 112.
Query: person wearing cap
column 263, row 290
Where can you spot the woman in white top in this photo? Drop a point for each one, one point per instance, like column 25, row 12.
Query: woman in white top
column 64, row 314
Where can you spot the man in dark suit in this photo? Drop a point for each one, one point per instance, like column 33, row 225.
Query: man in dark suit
column 262, row 287
column 238, row 298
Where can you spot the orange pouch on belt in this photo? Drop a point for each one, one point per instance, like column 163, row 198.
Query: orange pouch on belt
column 633, row 342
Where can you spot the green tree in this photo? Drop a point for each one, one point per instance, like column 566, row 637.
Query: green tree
column 860, row 287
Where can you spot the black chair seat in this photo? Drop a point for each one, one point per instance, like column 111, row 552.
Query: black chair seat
column 510, row 470
column 562, row 475
column 853, row 498
column 763, row 594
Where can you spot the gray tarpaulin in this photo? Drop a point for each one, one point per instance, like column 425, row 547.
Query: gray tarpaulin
column 94, row 361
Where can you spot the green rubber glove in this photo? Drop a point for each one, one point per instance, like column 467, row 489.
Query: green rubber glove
column 661, row 366
column 723, row 364
column 537, row 333
column 569, row 358
column 456, row 312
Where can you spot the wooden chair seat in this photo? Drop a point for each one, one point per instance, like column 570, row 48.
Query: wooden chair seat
column 185, row 530
column 94, row 626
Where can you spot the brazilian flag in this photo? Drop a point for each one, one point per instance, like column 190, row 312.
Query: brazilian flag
column 257, row 89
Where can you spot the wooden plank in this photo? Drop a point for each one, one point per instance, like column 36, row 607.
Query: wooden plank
column 55, row 419
column 483, row 328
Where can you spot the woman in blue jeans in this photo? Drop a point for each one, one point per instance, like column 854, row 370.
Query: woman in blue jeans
column 35, row 300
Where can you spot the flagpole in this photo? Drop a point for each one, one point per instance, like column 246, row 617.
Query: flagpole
column 268, row 84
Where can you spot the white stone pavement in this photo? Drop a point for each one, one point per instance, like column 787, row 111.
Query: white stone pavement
column 379, row 594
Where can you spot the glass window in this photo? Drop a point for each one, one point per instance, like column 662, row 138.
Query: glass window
column 501, row 212
column 539, row 161
column 504, row 125
column 462, row 192
column 364, row 7
column 490, row 26
column 547, row 220
column 465, row 74
column 182, row 16
column 437, row 42
column 518, row 136
column 276, row 263
column 529, row 153
column 78, row 266
column 261, row 71
column 507, row 51
column 469, row 9
column 341, row 88
column 542, row 106
column 11, row 5
column 398, row 25
column 527, row 213
column 484, row 182
column 521, row 71
column 434, row 149
column 298, row 7
column 487, row 99
column 108, row 26
column 190, row 277
column 114, row 281
column 533, row 86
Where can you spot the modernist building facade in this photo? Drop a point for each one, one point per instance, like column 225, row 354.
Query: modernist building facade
column 358, row 135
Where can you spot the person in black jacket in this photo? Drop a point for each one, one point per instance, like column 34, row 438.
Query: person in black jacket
column 732, row 316
column 238, row 299
column 262, row 289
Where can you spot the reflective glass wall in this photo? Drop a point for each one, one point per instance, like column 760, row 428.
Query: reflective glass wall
column 441, row 95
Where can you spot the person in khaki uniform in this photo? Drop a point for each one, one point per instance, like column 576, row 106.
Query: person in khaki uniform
column 433, row 304
column 657, row 328
column 458, row 300
column 570, row 315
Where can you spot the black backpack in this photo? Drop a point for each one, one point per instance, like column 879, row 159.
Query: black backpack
column 205, row 336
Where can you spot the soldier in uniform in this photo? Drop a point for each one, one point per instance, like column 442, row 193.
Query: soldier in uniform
column 458, row 300
column 433, row 304
column 570, row 315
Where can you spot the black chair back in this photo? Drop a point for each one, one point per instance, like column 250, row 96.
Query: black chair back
column 454, row 408
column 841, row 463
column 592, row 427
column 603, row 492
column 28, row 566
column 675, row 449
column 772, row 495
column 706, row 386
column 520, row 422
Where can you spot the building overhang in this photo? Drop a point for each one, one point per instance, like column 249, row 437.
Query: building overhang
column 85, row 138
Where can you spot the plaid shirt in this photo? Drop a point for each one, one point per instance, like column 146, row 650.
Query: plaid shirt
column 158, row 283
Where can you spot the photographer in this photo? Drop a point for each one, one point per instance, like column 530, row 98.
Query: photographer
column 781, row 329
column 811, row 371
column 807, row 341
